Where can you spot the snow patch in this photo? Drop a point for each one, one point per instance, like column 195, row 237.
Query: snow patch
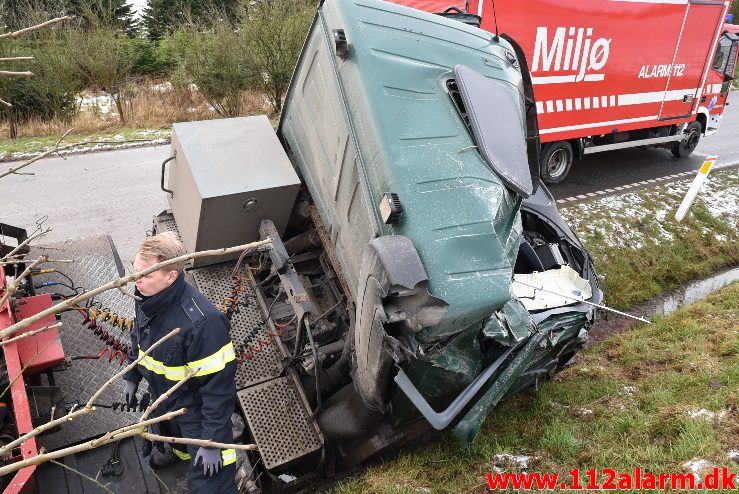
column 100, row 103
column 708, row 416
column 628, row 390
column 698, row 467
column 165, row 87
column 632, row 219
column 505, row 461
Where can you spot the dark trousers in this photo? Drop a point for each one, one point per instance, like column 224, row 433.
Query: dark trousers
column 223, row 482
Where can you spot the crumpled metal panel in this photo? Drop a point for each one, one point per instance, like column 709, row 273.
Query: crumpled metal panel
column 382, row 121
column 510, row 325
column 442, row 374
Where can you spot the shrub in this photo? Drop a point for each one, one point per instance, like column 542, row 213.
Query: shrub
column 216, row 60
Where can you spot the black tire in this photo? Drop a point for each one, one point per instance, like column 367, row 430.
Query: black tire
column 685, row 148
column 555, row 162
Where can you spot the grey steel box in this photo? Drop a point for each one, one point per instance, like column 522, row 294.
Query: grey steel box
column 228, row 176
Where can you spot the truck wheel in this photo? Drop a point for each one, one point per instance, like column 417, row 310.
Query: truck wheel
column 555, row 162
column 685, row 148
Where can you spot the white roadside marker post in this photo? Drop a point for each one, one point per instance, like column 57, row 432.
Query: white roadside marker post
column 695, row 187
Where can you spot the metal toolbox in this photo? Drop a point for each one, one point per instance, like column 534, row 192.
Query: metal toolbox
column 225, row 177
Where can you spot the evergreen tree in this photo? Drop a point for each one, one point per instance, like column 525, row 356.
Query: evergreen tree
column 162, row 17
column 118, row 13
column 17, row 14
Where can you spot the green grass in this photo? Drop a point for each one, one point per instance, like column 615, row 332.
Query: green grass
column 8, row 147
column 682, row 363
column 658, row 254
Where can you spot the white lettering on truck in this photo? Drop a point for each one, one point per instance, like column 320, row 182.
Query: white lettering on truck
column 581, row 55
column 663, row 70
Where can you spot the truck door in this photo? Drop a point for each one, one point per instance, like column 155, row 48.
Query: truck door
column 695, row 45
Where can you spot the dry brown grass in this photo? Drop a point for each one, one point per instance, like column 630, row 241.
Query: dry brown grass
column 148, row 107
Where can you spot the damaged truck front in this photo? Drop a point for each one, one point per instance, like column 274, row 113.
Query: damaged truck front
column 423, row 274
column 416, row 137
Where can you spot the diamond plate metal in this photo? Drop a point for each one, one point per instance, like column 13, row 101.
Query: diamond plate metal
column 247, row 325
column 280, row 423
column 93, row 266
column 165, row 222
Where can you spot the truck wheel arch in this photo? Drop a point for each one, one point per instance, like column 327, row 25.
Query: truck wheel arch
column 393, row 291
column 702, row 116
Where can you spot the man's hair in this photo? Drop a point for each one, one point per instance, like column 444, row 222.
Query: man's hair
column 163, row 247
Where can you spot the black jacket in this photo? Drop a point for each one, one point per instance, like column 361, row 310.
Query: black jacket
column 203, row 342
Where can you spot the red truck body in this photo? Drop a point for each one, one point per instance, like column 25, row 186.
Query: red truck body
column 603, row 69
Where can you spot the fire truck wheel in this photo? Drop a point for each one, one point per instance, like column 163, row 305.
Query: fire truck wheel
column 556, row 161
column 684, row 148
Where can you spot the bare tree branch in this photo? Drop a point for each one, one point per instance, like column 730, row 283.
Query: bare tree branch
column 167, row 394
column 2, row 101
column 130, row 366
column 23, row 31
column 122, row 282
column 12, row 59
column 26, row 242
column 94, row 481
column 30, row 333
column 14, row 285
column 88, row 408
column 27, row 364
column 43, row 458
column 139, row 426
column 17, row 74
column 128, row 294
column 21, row 261
column 206, row 443
column 58, row 149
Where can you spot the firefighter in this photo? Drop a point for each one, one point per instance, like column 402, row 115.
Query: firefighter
column 203, row 343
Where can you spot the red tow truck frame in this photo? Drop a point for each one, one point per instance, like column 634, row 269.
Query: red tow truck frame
column 24, row 359
column 22, row 481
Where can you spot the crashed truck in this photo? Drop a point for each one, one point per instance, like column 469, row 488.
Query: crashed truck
column 418, row 273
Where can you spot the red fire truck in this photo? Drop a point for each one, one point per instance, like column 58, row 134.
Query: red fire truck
column 613, row 74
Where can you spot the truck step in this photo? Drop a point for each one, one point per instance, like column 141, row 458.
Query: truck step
column 278, row 416
column 275, row 407
column 258, row 352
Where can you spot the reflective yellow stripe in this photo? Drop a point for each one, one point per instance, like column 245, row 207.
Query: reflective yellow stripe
column 176, row 373
column 229, row 456
column 216, row 362
column 182, row 456
column 208, row 365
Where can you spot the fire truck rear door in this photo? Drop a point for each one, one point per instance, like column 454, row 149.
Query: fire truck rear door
column 692, row 54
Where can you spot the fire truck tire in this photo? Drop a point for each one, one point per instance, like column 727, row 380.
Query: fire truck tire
column 555, row 162
column 685, row 148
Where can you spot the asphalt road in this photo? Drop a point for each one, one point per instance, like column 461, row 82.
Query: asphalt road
column 114, row 192
column 117, row 192
column 611, row 169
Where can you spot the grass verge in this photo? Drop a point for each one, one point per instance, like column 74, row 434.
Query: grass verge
column 25, row 146
column 655, row 398
column 640, row 251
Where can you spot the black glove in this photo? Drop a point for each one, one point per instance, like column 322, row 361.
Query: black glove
column 129, row 394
